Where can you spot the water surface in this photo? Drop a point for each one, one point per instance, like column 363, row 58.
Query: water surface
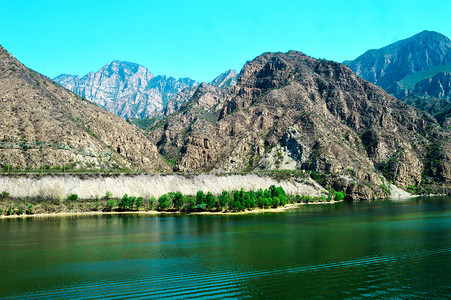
column 397, row 249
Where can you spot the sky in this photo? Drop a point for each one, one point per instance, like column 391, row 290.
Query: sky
column 201, row 39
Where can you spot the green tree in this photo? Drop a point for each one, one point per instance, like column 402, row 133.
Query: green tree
column 275, row 202
column 178, row 200
column 30, row 209
column 164, row 202
column 151, row 203
column 190, row 204
column 138, row 202
column 210, row 200
column 109, row 205
column 223, row 200
column 200, row 198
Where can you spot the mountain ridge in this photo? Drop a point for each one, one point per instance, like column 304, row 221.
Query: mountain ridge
column 289, row 110
column 44, row 125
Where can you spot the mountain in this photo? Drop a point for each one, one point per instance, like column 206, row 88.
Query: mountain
column 45, row 125
column 126, row 89
column 397, row 62
column 225, row 79
column 290, row 111
column 416, row 70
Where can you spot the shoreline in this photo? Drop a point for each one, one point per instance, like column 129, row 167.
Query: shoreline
column 155, row 212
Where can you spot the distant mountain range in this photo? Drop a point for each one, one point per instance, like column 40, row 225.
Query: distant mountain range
column 410, row 69
column 130, row 90
column 126, row 89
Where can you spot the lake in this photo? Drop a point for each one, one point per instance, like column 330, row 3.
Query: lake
column 380, row 249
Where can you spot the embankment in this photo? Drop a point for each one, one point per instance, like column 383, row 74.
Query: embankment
column 90, row 186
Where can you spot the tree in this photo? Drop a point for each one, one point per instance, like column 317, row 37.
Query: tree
column 164, row 202
column 109, row 205
column 200, row 198
column 179, row 200
column 210, row 200
column 223, row 200
column 190, row 203
column 138, row 202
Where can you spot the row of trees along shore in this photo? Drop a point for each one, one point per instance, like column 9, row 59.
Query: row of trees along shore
column 235, row 201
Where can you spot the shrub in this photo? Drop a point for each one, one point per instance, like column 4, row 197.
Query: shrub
column 20, row 210
column 108, row 195
column 127, row 202
column 109, row 205
column 339, row 195
column 4, row 195
column 30, row 209
column 72, row 197
column 10, row 211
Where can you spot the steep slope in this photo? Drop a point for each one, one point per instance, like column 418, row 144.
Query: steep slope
column 43, row 124
column 126, row 89
column 225, row 79
column 438, row 86
column 390, row 65
column 293, row 111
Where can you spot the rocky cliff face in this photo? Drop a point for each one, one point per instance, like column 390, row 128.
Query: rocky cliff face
column 126, row 89
column 45, row 125
column 292, row 111
column 225, row 79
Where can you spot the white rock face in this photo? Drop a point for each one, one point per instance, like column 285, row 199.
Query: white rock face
column 226, row 79
column 146, row 185
column 126, row 89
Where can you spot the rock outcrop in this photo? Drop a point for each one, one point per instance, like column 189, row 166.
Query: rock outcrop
column 225, row 79
column 126, row 89
column 43, row 125
column 292, row 111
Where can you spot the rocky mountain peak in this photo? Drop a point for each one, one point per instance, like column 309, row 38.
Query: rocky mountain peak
column 289, row 111
column 226, row 79
column 392, row 63
column 126, row 89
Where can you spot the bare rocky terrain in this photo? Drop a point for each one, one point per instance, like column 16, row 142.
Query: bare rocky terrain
column 126, row 89
column 293, row 111
column 43, row 125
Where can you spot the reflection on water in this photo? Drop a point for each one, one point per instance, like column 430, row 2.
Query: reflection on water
column 367, row 249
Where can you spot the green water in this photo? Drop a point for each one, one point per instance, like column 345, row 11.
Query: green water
column 384, row 249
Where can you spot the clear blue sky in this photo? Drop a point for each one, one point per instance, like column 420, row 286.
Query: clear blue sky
column 200, row 39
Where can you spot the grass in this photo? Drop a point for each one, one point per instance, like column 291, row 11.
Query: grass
column 409, row 81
